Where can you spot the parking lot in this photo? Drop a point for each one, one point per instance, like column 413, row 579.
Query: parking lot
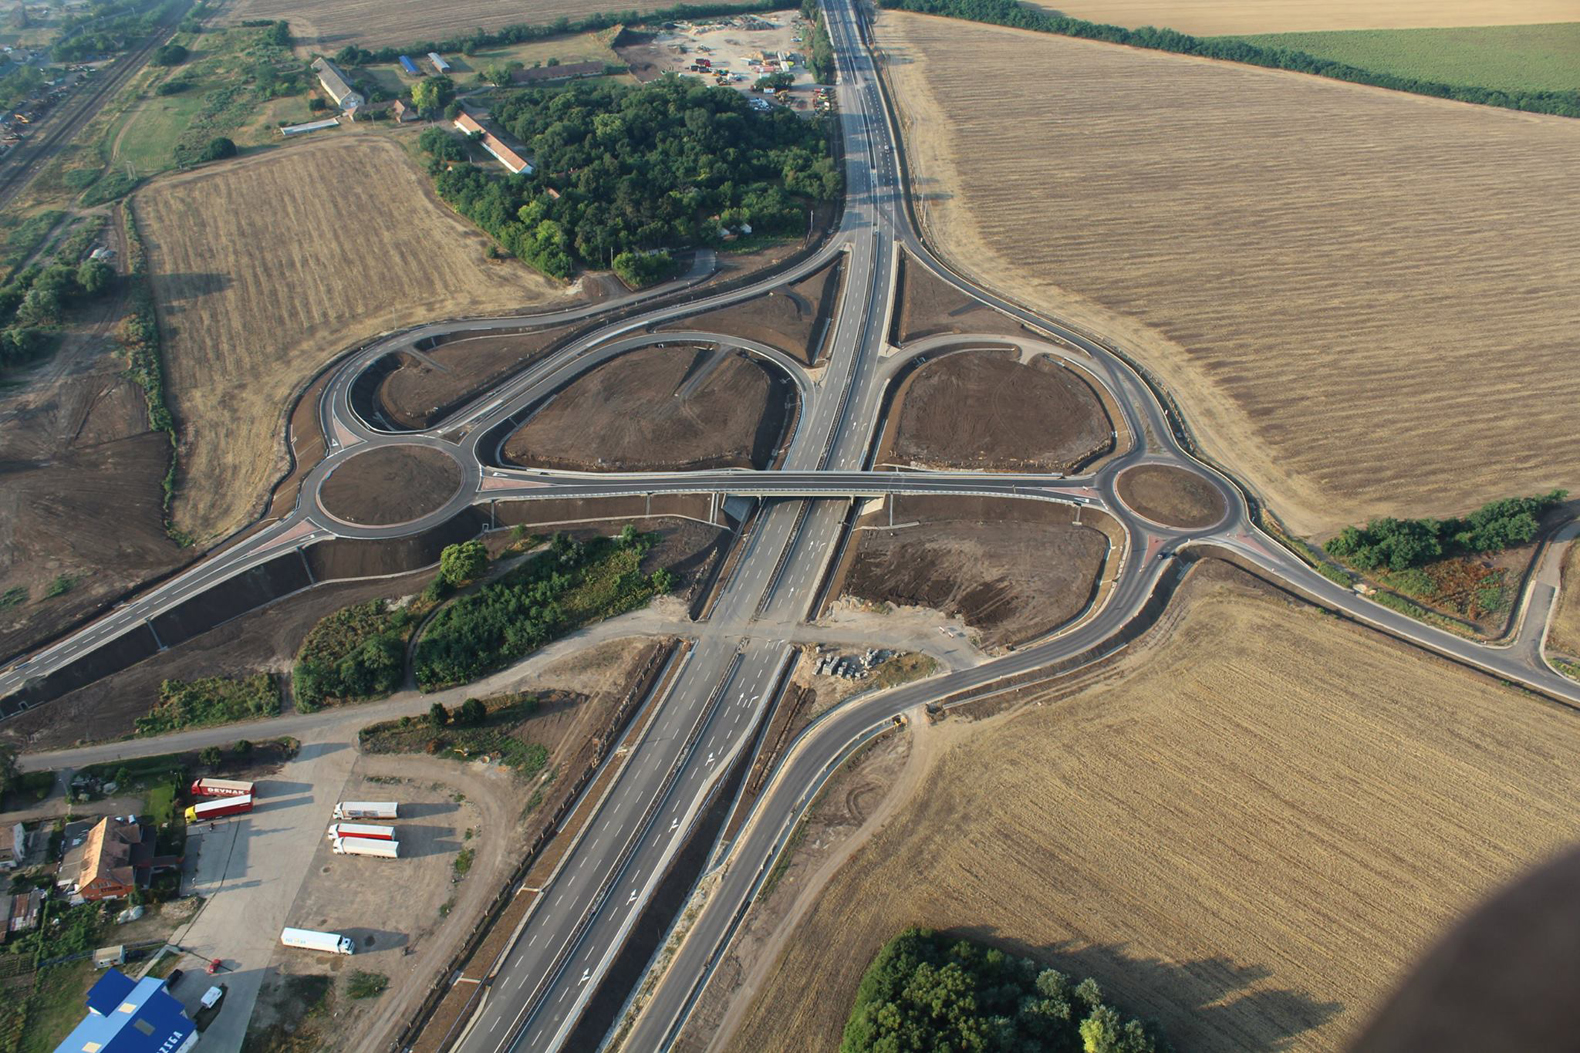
column 735, row 45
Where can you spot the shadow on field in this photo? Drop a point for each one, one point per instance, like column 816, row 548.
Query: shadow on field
column 1208, row 996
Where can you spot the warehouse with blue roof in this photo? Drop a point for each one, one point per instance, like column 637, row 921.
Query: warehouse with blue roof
column 131, row 1016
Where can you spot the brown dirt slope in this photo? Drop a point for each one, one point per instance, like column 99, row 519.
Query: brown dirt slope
column 1563, row 634
column 392, row 484
column 267, row 267
column 370, row 23
column 1013, row 570
column 984, row 410
column 1209, row 17
column 1232, row 835
column 657, row 408
column 430, row 384
column 925, row 306
column 795, row 319
column 1362, row 315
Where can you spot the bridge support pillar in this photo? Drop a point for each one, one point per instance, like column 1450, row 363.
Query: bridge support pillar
column 302, row 552
column 150, row 623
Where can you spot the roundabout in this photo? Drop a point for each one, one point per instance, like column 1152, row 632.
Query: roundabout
column 390, row 486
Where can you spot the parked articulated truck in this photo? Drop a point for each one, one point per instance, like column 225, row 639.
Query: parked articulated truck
column 218, row 808
column 367, row 810
column 221, row 788
column 376, row 833
column 309, row 940
column 366, row 846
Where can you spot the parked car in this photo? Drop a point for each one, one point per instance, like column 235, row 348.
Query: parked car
column 211, row 997
column 174, row 978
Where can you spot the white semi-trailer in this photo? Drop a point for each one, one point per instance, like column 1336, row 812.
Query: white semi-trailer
column 377, row 833
column 366, row 846
column 367, row 810
column 309, row 940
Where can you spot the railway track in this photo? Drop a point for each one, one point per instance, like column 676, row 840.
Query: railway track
column 68, row 119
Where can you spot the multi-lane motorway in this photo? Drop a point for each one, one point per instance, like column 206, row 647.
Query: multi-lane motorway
column 729, row 682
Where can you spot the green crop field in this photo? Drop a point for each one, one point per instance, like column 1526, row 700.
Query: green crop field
column 1529, row 58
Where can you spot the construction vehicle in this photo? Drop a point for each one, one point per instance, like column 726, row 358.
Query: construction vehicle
column 221, row 788
column 377, row 833
column 367, row 810
column 218, row 808
column 366, row 846
column 310, row 940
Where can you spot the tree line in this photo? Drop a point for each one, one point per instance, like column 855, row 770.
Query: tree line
column 1012, row 13
column 622, row 169
column 821, row 58
column 926, row 991
column 1400, row 544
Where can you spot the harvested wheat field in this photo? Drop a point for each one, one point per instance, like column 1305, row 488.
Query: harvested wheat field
column 1563, row 633
column 1234, row 839
column 266, row 269
column 1211, row 17
column 375, row 23
column 1359, row 297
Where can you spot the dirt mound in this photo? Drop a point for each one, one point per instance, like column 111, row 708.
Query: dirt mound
column 796, row 318
column 1171, row 496
column 392, row 484
column 433, row 381
column 925, row 306
column 986, row 411
column 660, row 408
column 1013, row 570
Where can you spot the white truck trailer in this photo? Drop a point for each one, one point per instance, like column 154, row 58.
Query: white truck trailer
column 309, row 940
column 367, row 810
column 366, row 846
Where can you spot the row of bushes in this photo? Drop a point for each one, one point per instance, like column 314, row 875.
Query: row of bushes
column 1400, row 544
column 1014, row 14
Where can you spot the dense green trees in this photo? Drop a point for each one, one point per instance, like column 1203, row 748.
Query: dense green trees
column 170, row 55
column 638, row 269
column 926, row 991
column 430, row 94
column 463, row 562
column 357, row 652
column 1399, row 544
column 34, row 303
column 821, row 59
column 1013, row 13
column 622, row 169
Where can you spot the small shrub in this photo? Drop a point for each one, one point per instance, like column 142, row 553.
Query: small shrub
column 366, row 985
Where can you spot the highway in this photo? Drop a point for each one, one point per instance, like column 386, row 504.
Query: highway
column 730, row 681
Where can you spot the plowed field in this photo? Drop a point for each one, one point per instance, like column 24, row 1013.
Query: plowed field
column 1359, row 297
column 266, row 268
column 1247, row 833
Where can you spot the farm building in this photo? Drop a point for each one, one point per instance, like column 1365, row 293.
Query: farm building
column 545, row 74
column 403, row 111
column 439, row 64
column 517, row 164
column 409, row 66
column 336, row 86
column 311, row 126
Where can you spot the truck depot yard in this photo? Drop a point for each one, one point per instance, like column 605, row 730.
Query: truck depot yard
column 735, row 50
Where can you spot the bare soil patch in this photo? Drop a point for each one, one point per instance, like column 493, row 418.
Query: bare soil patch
column 1230, row 834
column 264, row 640
column 987, row 411
column 268, row 267
column 1563, row 633
column 1013, row 570
column 925, row 306
column 1171, row 496
column 660, row 408
column 1212, row 17
column 1360, row 317
column 431, row 383
column 796, row 319
column 392, row 484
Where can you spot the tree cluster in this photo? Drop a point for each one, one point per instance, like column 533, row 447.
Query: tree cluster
column 1013, row 13
column 925, row 991
column 622, row 169
column 358, row 652
column 821, row 59
column 35, row 302
column 640, row 269
column 105, row 27
column 431, row 93
column 1400, row 544
column 171, row 55
column 463, row 562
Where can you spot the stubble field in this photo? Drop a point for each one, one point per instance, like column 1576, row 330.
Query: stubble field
column 332, row 24
column 1230, row 834
column 1209, row 17
column 1359, row 297
column 267, row 268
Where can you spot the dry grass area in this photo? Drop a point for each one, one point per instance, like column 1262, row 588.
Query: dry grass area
column 1361, row 313
column 1563, row 634
column 266, row 268
column 1212, row 17
column 331, row 24
column 1234, row 839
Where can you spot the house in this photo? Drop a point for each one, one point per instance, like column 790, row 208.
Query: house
column 14, row 849
column 117, row 857
column 24, row 911
column 545, row 74
column 404, row 111
column 467, row 125
column 336, row 86
column 131, row 1016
